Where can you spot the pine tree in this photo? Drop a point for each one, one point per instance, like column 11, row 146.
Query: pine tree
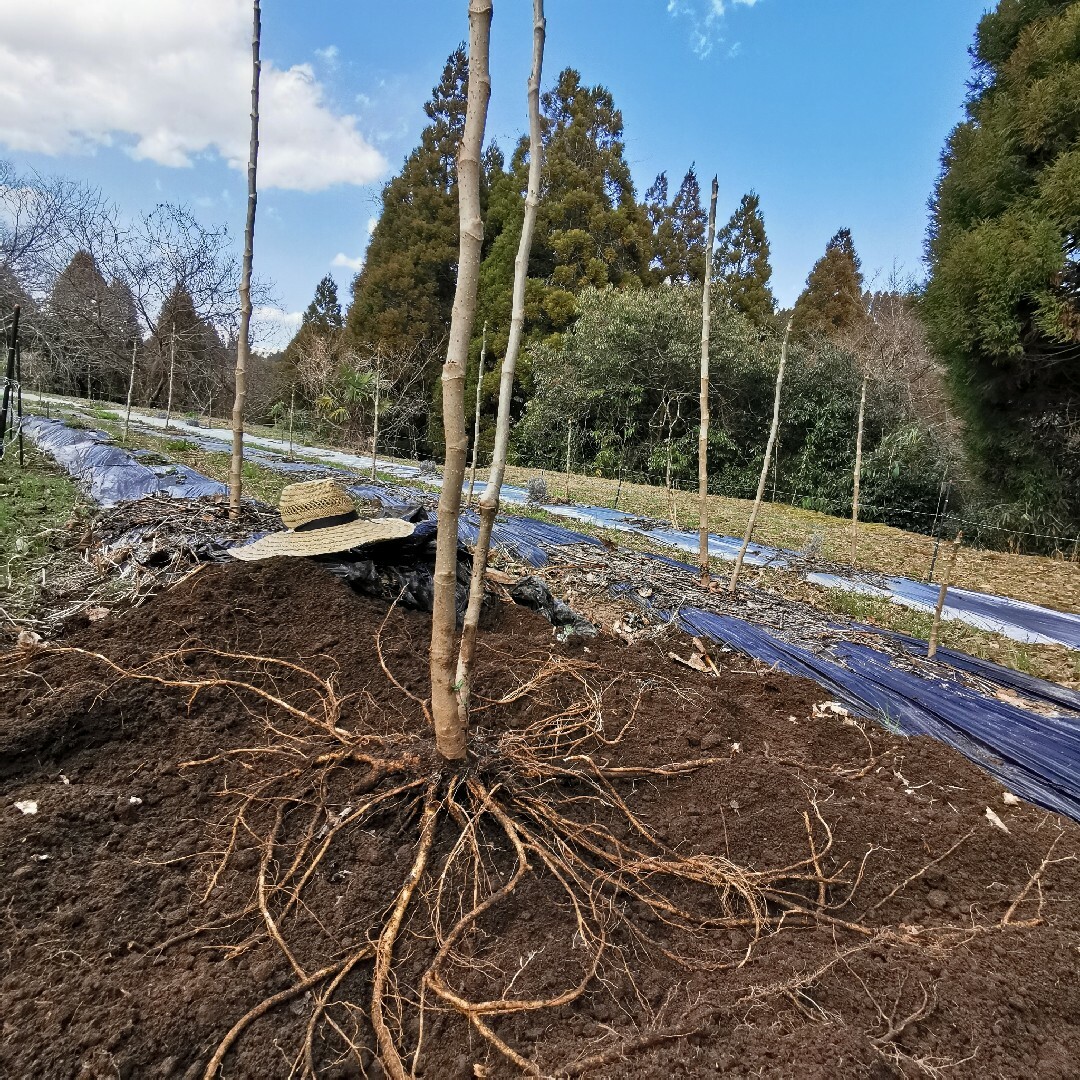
column 1003, row 299
column 590, row 229
column 678, row 230
column 405, row 290
column 832, row 304
column 742, row 261
column 201, row 360
column 324, row 312
column 80, row 314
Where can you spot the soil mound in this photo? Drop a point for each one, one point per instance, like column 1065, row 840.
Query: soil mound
column 922, row 934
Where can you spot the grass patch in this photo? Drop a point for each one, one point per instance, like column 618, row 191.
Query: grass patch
column 104, row 414
column 1053, row 662
column 178, row 446
column 40, row 508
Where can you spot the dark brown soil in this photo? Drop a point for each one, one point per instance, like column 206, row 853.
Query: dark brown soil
column 94, row 886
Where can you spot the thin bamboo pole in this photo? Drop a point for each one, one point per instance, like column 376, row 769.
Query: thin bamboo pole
column 858, row 473
column 931, row 648
column 451, row 728
column 476, row 421
column 703, row 432
column 734, row 583
column 243, row 344
column 489, row 501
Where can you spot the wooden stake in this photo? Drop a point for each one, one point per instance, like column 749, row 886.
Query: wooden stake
column 489, row 501
column 734, row 583
column 243, row 343
column 476, row 422
column 703, row 432
column 858, row 472
column 451, row 729
column 931, row 649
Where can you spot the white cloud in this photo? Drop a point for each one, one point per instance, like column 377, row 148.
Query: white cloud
column 169, row 81
column 705, row 18
column 274, row 327
column 371, row 223
column 329, row 56
column 348, row 261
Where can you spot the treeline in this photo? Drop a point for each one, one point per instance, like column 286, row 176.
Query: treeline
column 103, row 295
column 613, row 304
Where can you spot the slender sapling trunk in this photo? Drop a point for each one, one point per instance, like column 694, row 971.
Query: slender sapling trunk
column 931, row 648
column 172, row 368
column 489, row 500
column 375, row 421
column 243, row 344
column 451, row 729
column 131, row 387
column 734, row 583
column 703, row 432
column 858, row 473
column 476, row 422
column 569, row 435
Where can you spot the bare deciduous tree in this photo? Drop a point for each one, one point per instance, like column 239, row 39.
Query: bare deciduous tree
column 703, row 432
column 734, row 583
column 489, row 501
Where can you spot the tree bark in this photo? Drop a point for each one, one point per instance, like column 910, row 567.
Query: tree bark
column 489, row 501
column 734, row 583
column 476, row 423
column 451, row 723
column 131, row 387
column 703, row 432
column 858, row 472
column 243, row 344
column 172, row 368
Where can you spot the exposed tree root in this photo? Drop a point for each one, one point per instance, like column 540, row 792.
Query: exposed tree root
column 538, row 803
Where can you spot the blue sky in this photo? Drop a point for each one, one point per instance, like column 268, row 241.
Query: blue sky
column 834, row 111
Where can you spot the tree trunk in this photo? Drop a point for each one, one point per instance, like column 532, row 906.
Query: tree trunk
column 172, row 368
column 489, row 501
column 243, row 344
column 450, row 722
column 858, row 473
column 931, row 647
column 733, row 584
column 703, row 432
column 476, row 423
column 131, row 387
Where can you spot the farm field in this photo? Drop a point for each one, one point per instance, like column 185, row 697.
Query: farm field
column 131, row 881
column 698, row 697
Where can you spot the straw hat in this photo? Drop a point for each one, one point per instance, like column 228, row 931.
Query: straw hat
column 321, row 518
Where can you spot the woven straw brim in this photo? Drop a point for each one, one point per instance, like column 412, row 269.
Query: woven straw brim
column 325, row 541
